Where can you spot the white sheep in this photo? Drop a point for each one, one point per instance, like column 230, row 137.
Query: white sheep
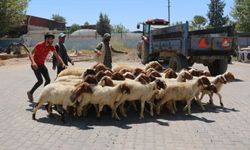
column 58, row 94
column 182, row 91
column 101, row 96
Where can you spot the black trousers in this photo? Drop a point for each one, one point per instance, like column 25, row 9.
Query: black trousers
column 39, row 72
column 59, row 69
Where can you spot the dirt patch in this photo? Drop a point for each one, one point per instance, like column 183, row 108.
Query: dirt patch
column 1, row 62
column 9, row 56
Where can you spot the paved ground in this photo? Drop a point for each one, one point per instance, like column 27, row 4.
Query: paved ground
column 216, row 128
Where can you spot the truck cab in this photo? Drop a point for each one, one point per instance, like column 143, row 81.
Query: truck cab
column 181, row 48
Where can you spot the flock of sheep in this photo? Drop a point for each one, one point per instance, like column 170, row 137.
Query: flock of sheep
column 99, row 86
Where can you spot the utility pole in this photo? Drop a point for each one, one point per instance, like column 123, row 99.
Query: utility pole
column 169, row 11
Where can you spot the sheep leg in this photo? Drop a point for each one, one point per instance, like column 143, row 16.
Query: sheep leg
column 158, row 106
column 220, row 97
column 142, row 109
column 174, row 106
column 151, row 104
column 211, row 98
column 114, row 113
column 38, row 105
column 170, row 106
column 96, row 109
column 100, row 109
column 188, row 106
column 199, row 102
column 134, row 105
column 122, row 110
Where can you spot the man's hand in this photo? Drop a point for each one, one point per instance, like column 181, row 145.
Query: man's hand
column 98, row 53
column 34, row 66
column 54, row 67
column 72, row 62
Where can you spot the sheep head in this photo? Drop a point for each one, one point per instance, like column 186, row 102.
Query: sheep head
column 99, row 66
column 211, row 88
column 108, row 73
column 91, row 79
column 203, row 81
column 170, row 74
column 83, row 87
column 137, row 71
column 124, row 70
column 229, row 76
column 117, row 76
column 89, row 72
column 99, row 75
column 143, row 79
column 106, row 81
column 124, row 88
column 129, row 75
column 160, row 84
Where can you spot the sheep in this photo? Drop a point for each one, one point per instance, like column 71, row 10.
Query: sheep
column 169, row 73
column 138, row 71
column 103, row 95
column 218, row 81
column 182, row 91
column 156, row 65
column 142, row 92
column 99, row 66
column 129, row 75
column 59, row 94
column 76, row 71
column 120, row 67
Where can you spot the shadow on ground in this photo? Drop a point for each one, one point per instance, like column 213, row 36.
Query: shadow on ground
column 91, row 121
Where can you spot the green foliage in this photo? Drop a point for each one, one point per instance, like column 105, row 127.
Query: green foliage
column 58, row 18
column 198, row 23
column 103, row 25
column 74, row 27
column 86, row 23
column 216, row 12
column 241, row 14
column 12, row 14
column 119, row 29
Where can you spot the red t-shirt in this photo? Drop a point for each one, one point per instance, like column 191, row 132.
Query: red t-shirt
column 42, row 52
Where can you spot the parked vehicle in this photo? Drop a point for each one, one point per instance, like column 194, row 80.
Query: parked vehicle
column 181, row 48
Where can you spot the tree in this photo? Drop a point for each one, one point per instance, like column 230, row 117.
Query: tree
column 103, row 25
column 241, row 14
column 86, row 23
column 74, row 27
column 58, row 18
column 12, row 14
column 216, row 12
column 119, row 29
column 198, row 22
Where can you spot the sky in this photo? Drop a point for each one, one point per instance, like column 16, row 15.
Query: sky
column 126, row 12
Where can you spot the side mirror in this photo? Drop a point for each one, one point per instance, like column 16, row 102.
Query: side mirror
column 138, row 26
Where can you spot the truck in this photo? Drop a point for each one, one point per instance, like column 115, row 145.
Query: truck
column 181, row 48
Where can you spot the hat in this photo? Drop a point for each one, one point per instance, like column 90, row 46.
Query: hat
column 61, row 35
column 106, row 36
column 48, row 35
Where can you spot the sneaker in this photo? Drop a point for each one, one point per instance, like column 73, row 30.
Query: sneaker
column 30, row 96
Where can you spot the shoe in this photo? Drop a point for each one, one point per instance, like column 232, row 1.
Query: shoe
column 30, row 96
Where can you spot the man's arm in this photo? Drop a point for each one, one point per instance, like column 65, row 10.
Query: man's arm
column 116, row 51
column 54, row 57
column 59, row 59
column 98, row 48
column 33, row 63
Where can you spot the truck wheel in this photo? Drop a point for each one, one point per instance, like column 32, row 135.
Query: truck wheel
column 178, row 62
column 144, row 54
column 218, row 67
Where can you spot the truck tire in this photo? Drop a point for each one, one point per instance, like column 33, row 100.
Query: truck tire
column 144, row 54
column 218, row 67
column 178, row 62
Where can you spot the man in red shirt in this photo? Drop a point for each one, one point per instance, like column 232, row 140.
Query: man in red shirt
column 37, row 58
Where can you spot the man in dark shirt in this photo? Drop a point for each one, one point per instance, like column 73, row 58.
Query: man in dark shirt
column 62, row 51
column 104, row 50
